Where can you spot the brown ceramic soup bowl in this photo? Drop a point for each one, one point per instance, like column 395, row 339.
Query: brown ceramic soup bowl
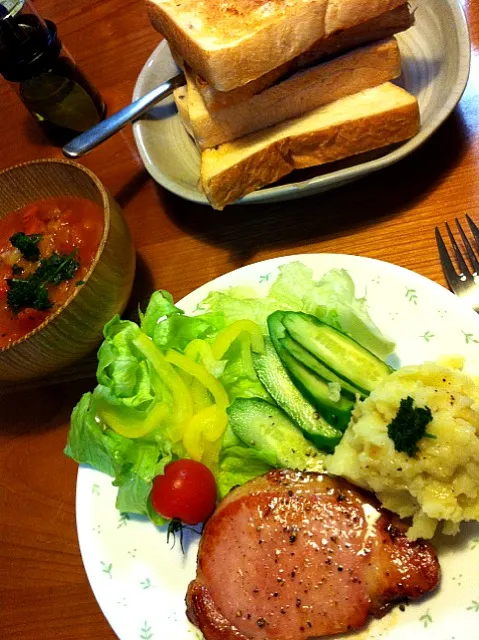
column 75, row 328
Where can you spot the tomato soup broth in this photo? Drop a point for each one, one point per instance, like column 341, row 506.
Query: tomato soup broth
column 46, row 249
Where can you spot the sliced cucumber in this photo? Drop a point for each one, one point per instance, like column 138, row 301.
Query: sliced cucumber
column 268, row 430
column 276, row 328
column 301, row 354
column 316, row 390
column 275, row 378
column 348, row 359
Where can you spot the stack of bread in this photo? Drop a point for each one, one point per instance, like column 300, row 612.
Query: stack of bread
column 278, row 85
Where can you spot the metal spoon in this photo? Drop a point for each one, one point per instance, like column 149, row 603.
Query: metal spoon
column 90, row 139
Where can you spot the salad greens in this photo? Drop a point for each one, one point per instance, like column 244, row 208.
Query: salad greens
column 165, row 384
column 331, row 299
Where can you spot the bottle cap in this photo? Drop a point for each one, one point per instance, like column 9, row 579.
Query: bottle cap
column 28, row 45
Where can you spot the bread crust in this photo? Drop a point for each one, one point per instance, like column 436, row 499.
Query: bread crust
column 369, row 120
column 230, row 43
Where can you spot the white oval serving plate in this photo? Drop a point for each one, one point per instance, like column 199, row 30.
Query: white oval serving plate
column 435, row 56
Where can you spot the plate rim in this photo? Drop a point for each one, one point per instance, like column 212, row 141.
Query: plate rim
column 329, row 180
column 469, row 315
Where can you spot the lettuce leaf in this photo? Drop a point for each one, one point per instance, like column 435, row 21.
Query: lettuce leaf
column 132, row 463
column 135, row 479
column 129, row 390
column 233, row 309
column 238, row 464
column 91, row 443
column 332, row 299
column 160, row 306
column 124, row 376
column 169, row 327
column 239, row 377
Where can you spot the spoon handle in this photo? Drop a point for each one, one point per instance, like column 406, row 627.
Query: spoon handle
column 90, row 139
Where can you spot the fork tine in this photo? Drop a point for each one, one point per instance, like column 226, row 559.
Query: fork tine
column 449, row 271
column 469, row 249
column 474, row 229
column 460, row 260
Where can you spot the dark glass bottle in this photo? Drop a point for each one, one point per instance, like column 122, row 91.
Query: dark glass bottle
column 46, row 78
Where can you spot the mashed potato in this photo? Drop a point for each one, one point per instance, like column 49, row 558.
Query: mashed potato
column 440, row 484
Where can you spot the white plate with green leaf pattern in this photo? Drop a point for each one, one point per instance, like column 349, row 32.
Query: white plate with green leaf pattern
column 140, row 581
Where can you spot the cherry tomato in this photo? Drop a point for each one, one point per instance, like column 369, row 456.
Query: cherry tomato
column 186, row 492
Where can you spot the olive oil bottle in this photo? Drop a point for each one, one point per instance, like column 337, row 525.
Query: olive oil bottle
column 44, row 75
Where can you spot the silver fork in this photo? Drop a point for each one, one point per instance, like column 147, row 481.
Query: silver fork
column 464, row 284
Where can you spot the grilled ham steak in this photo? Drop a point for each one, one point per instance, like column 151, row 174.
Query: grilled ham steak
column 292, row 555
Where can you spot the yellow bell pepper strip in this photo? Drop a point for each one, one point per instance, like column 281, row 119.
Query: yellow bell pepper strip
column 200, row 395
column 202, row 439
column 199, row 372
column 211, row 455
column 132, row 426
column 201, row 350
column 228, row 335
column 246, row 346
column 209, row 423
column 186, row 377
column 196, row 431
column 181, row 395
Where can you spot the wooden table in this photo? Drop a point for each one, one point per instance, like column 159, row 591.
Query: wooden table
column 44, row 592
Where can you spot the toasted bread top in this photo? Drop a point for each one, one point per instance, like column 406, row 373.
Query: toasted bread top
column 378, row 28
column 230, row 42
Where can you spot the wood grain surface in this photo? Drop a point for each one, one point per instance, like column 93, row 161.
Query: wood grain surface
column 391, row 215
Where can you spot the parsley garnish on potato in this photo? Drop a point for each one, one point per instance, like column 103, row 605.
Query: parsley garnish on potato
column 409, row 426
column 32, row 292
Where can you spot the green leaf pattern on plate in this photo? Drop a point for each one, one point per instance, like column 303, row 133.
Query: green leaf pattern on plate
column 470, row 338
column 411, row 295
column 145, row 632
column 474, row 606
column 123, row 520
column 426, row 619
column 427, row 336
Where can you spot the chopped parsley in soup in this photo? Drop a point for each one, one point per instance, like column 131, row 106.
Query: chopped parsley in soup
column 46, row 249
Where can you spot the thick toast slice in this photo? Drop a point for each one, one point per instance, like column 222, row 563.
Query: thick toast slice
column 368, row 120
column 342, row 76
column 379, row 28
column 231, row 42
